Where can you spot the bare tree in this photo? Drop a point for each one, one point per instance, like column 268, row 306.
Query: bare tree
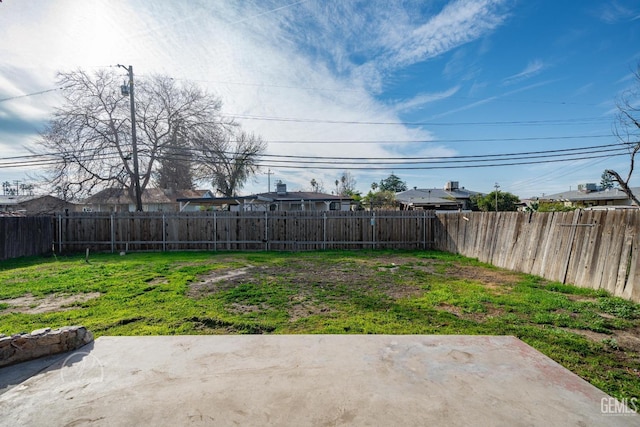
column 627, row 130
column 347, row 185
column 89, row 136
column 175, row 171
column 228, row 159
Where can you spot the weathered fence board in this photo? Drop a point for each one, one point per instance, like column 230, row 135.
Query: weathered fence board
column 244, row 231
column 25, row 236
column 594, row 249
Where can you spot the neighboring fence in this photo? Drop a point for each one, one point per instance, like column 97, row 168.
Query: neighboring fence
column 591, row 249
column 244, row 231
column 25, row 236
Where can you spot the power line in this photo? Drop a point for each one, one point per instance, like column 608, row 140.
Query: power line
column 514, row 155
column 585, row 120
column 406, row 141
column 30, row 94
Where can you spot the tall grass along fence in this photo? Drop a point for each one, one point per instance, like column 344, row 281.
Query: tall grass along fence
column 25, row 236
column 591, row 249
column 289, row 231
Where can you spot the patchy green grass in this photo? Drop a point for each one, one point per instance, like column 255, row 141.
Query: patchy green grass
column 365, row 292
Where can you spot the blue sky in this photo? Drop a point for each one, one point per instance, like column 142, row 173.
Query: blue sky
column 355, row 81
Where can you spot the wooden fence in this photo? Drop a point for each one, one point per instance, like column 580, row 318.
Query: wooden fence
column 25, row 236
column 592, row 249
column 244, row 231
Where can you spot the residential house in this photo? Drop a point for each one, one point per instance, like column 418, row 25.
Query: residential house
column 591, row 195
column 34, row 205
column 279, row 200
column 451, row 197
column 153, row 200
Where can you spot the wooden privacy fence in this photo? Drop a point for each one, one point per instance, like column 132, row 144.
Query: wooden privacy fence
column 25, row 236
column 591, row 249
column 244, row 231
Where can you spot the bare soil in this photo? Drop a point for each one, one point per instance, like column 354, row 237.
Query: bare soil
column 29, row 304
column 382, row 277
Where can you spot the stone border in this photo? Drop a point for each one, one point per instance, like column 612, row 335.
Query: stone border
column 42, row 342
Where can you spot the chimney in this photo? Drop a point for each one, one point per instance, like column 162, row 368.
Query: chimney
column 281, row 189
column 452, row 186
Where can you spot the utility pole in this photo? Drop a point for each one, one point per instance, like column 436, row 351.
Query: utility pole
column 269, row 173
column 134, row 144
column 496, row 186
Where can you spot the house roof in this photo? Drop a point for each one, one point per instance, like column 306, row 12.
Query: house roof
column 434, row 196
column 577, row 195
column 120, row 196
column 290, row 196
column 300, row 195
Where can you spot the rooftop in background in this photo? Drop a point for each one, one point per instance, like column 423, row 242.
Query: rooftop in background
column 452, row 196
column 584, row 194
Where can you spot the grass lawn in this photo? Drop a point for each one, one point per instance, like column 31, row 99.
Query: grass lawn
column 337, row 292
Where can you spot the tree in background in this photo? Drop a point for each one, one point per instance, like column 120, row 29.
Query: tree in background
column 346, row 185
column 554, row 207
column 181, row 136
column 606, row 181
column 175, row 170
column 392, row 183
column 228, row 163
column 506, row 201
column 379, row 200
column 317, row 186
column 627, row 130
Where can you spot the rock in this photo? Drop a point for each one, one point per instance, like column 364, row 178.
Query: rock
column 41, row 331
column 42, row 342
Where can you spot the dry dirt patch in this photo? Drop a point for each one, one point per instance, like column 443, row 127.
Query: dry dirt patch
column 628, row 340
column 29, row 304
column 490, row 278
column 216, row 281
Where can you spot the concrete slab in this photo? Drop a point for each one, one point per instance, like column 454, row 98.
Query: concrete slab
column 306, row 380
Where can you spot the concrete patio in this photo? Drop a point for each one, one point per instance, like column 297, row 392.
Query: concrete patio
column 301, row 380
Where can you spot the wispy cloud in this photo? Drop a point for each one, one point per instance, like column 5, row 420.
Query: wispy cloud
column 423, row 99
column 493, row 98
column 459, row 22
column 614, row 12
column 533, row 68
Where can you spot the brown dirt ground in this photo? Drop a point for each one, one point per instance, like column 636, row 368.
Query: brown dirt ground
column 28, row 304
column 364, row 274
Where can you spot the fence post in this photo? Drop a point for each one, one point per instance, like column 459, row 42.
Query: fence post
column 112, row 233
column 60, row 233
column 324, row 230
column 424, row 230
column 373, row 229
column 266, row 230
column 164, row 233
column 215, row 231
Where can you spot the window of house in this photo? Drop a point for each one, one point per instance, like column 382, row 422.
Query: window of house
column 295, row 206
column 334, row 206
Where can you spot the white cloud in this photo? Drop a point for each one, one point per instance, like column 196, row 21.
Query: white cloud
column 422, row 99
column 459, row 22
column 532, row 69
